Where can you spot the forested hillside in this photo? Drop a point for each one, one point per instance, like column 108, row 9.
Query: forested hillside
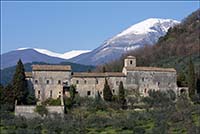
column 172, row 50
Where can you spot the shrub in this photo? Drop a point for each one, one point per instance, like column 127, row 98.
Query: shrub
column 41, row 109
column 53, row 102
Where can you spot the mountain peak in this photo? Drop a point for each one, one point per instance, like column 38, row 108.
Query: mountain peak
column 143, row 33
column 146, row 26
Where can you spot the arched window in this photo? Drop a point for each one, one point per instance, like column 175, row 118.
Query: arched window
column 131, row 62
column 36, row 81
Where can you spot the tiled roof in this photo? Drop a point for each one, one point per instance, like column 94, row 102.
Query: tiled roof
column 92, row 74
column 150, row 69
column 51, row 68
column 28, row 74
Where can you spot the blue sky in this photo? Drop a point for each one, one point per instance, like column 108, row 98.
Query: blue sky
column 65, row 26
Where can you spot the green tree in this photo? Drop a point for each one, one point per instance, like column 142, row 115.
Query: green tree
column 191, row 79
column 104, row 69
column 1, row 93
column 181, row 79
column 107, row 94
column 7, row 98
column 121, row 95
column 41, row 109
column 198, row 86
column 72, row 91
column 20, row 84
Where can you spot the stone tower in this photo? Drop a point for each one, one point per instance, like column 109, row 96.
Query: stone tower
column 130, row 61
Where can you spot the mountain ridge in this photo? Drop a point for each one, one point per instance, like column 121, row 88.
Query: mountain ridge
column 29, row 55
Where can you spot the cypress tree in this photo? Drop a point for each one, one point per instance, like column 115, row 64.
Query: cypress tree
column 191, row 79
column 121, row 94
column 20, row 84
column 1, row 94
column 181, row 79
column 198, row 86
column 107, row 94
column 104, row 69
column 72, row 92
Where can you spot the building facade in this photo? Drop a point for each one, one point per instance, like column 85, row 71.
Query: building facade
column 52, row 81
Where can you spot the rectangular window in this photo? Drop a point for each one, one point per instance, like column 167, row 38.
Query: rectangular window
column 85, row 81
column 97, row 82
column 47, row 81
column 88, row 93
column 38, row 94
column 77, row 82
column 51, row 94
column 59, row 81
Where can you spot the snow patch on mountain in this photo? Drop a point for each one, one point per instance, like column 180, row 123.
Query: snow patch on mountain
column 66, row 55
column 145, row 26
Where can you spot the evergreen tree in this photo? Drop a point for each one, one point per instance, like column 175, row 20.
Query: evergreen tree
column 107, row 94
column 122, row 99
column 20, row 84
column 104, row 69
column 72, row 91
column 1, row 94
column 198, row 86
column 191, row 79
column 181, row 79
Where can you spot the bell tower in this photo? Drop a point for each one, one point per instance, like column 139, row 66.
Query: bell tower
column 130, row 61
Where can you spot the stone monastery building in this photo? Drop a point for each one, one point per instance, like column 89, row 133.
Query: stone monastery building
column 53, row 81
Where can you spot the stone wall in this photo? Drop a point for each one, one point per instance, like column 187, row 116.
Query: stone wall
column 89, row 86
column 29, row 111
column 151, row 80
column 49, row 84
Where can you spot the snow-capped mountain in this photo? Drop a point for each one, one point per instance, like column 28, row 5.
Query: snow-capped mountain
column 66, row 55
column 146, row 32
column 29, row 55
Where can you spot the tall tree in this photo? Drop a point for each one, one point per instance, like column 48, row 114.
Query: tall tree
column 72, row 91
column 198, row 86
column 103, row 69
column 191, row 79
column 20, row 84
column 8, row 95
column 107, row 94
column 1, row 94
column 122, row 99
column 181, row 79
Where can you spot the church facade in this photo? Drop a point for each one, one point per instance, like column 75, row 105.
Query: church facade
column 53, row 81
